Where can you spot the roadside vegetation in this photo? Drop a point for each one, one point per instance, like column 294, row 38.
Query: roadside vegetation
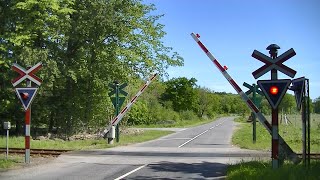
column 125, row 139
column 262, row 170
column 81, row 144
column 83, row 49
column 292, row 134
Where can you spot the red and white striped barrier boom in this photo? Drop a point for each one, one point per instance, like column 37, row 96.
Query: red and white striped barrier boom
column 119, row 117
column 286, row 149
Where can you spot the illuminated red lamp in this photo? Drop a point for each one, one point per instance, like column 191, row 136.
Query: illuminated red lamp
column 274, row 90
column 24, row 96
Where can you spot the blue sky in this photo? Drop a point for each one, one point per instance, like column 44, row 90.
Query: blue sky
column 233, row 29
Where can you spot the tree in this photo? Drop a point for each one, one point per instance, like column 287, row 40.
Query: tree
column 181, row 92
column 204, row 101
column 316, row 104
column 288, row 103
column 84, row 45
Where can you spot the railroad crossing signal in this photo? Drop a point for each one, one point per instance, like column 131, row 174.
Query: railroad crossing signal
column 120, row 102
column 114, row 88
column 252, row 88
column 26, row 74
column 280, row 141
column 117, row 102
column 275, row 63
column 26, row 96
column 298, row 88
column 117, row 89
column 274, row 90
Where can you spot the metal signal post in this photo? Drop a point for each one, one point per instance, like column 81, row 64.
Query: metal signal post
column 117, row 102
column 254, row 89
column 275, row 116
column 300, row 86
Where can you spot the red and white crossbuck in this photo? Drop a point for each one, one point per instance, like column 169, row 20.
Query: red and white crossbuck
column 26, row 74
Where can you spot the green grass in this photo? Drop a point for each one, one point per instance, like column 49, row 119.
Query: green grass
column 18, row 142
column 12, row 161
column 179, row 124
column 292, row 134
column 262, row 170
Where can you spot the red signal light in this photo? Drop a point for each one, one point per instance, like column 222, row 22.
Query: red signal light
column 24, row 96
column 274, row 90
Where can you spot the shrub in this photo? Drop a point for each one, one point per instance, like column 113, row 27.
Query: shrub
column 188, row 115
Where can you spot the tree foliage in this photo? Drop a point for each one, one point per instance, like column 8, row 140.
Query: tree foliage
column 86, row 44
column 316, row 105
column 180, row 92
column 83, row 45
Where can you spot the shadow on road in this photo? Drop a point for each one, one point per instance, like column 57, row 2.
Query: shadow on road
column 204, row 170
column 168, row 154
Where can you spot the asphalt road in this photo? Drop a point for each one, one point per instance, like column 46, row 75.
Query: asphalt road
column 202, row 152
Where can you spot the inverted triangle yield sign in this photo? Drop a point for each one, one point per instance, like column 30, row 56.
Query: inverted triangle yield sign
column 298, row 88
column 274, row 90
column 26, row 96
column 121, row 101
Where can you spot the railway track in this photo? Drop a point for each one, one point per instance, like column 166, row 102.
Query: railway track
column 42, row 152
column 57, row 152
column 312, row 155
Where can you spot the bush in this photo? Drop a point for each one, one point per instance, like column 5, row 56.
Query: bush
column 188, row 115
column 139, row 114
column 159, row 113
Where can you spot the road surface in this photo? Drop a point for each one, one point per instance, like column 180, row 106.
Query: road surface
column 202, row 152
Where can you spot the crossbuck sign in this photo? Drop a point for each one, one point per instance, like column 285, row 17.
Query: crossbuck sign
column 273, row 63
column 26, row 74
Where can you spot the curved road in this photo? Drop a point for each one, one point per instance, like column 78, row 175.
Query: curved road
column 202, row 152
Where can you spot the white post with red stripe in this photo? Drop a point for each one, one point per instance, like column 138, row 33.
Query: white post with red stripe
column 29, row 76
column 289, row 152
column 119, row 117
column 27, row 129
column 27, row 135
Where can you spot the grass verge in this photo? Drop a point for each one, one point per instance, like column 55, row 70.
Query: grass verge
column 262, row 170
column 18, row 142
column 125, row 139
column 179, row 124
column 12, row 161
column 291, row 133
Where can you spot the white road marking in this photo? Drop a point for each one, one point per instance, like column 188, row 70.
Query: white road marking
column 199, row 135
column 127, row 174
column 174, row 139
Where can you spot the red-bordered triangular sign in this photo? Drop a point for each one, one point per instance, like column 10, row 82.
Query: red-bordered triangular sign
column 298, row 88
column 274, row 90
column 26, row 96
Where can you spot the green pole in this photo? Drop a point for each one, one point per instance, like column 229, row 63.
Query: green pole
column 117, row 111
column 252, row 114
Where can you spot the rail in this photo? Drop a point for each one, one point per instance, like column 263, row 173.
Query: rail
column 47, row 152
